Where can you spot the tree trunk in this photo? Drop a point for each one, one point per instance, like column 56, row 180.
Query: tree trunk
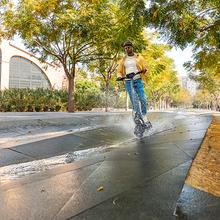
column 155, row 104
column 71, row 89
column 70, row 94
column 106, row 95
column 160, row 103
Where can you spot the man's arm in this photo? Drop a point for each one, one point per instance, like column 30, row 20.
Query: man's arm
column 143, row 65
column 120, row 70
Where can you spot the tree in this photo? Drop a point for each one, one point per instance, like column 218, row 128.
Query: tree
column 161, row 80
column 182, row 98
column 87, row 95
column 66, row 32
column 3, row 6
column 202, row 99
column 189, row 22
column 123, row 26
column 209, row 83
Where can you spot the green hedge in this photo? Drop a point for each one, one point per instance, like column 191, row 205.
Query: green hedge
column 20, row 100
column 87, row 96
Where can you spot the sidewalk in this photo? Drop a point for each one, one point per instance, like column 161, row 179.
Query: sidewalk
column 24, row 127
column 11, row 120
column 137, row 179
column 202, row 185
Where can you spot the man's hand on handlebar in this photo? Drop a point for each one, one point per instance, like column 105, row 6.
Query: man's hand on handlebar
column 120, row 78
column 130, row 75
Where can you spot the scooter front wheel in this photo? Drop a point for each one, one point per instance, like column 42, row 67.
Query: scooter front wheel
column 138, row 131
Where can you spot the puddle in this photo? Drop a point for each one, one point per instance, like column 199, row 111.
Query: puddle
column 159, row 127
column 179, row 117
column 16, row 171
column 8, row 139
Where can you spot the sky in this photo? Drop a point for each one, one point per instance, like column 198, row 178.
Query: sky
column 180, row 57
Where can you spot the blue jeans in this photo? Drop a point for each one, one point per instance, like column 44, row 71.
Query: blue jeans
column 138, row 95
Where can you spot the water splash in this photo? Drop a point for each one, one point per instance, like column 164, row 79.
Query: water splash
column 16, row 171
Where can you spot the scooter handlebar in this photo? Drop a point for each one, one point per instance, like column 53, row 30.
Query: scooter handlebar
column 128, row 76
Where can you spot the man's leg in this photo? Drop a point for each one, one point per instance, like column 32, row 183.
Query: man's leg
column 128, row 86
column 139, row 87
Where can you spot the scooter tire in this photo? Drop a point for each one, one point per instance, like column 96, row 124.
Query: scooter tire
column 139, row 131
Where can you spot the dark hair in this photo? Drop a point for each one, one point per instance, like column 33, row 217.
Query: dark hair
column 127, row 43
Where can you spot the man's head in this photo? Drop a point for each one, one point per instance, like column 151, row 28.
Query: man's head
column 128, row 46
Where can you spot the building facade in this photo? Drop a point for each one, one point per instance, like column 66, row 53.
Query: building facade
column 21, row 69
column 189, row 84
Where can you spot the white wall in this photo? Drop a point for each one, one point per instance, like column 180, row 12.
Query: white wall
column 54, row 74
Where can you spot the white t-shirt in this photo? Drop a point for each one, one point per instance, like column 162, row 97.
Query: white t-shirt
column 130, row 66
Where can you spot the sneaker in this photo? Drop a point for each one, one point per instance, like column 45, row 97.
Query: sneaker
column 148, row 124
column 145, row 118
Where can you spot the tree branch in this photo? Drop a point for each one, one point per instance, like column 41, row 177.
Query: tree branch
column 83, row 48
column 216, row 23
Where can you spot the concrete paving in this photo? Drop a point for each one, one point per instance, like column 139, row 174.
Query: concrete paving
column 18, row 123
column 134, row 179
column 197, row 204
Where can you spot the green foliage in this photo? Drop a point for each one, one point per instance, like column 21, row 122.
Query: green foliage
column 32, row 100
column 189, row 22
column 63, row 31
column 130, row 16
column 161, row 80
column 125, row 23
column 209, row 89
column 207, row 81
column 203, row 99
column 87, row 95
column 182, row 99
column 186, row 21
column 72, row 32
column 91, row 32
column 67, row 32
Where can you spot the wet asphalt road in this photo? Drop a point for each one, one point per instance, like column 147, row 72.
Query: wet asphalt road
column 163, row 123
column 141, row 179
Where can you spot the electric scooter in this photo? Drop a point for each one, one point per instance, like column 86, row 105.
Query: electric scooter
column 140, row 125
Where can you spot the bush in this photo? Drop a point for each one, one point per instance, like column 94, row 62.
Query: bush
column 32, row 100
column 87, row 96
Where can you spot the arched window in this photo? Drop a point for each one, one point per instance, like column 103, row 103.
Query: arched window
column 25, row 74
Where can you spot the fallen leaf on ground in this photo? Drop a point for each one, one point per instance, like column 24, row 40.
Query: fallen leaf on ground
column 114, row 201
column 100, row 188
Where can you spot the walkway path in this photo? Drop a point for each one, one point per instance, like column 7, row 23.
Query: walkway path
column 134, row 179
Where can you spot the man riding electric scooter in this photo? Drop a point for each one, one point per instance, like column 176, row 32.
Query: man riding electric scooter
column 130, row 69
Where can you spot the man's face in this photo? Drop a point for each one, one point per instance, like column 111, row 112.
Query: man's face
column 129, row 50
